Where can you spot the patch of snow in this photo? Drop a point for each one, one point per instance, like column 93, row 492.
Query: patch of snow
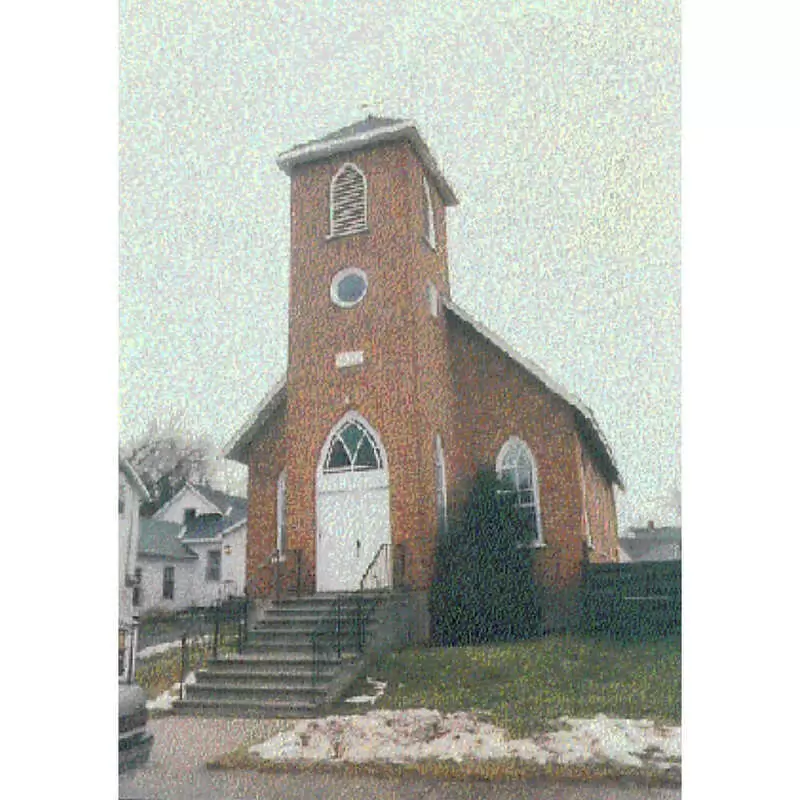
column 379, row 686
column 165, row 700
column 417, row 734
column 623, row 741
column 165, row 647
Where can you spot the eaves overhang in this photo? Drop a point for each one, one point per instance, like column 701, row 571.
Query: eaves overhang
column 404, row 130
column 237, row 448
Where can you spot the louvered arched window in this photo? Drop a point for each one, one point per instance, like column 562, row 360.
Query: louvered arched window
column 348, row 201
column 352, row 449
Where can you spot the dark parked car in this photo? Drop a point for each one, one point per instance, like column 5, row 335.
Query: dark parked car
column 135, row 740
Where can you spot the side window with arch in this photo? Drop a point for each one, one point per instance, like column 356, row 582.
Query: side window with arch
column 441, row 486
column 348, row 201
column 352, row 449
column 515, row 464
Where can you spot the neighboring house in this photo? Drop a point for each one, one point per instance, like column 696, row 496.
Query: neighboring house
column 394, row 395
column 166, row 569
column 132, row 492
column 651, row 544
column 213, row 526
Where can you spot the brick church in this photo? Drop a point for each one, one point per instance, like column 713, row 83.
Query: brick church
column 394, row 396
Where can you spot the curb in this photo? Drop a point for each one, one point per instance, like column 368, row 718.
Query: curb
column 483, row 770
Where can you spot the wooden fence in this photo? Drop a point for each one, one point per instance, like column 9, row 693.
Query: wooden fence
column 634, row 600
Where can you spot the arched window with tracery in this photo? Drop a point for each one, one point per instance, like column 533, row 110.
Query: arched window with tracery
column 352, row 449
column 348, row 201
column 516, row 465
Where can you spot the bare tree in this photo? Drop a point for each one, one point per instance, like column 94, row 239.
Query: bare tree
column 166, row 456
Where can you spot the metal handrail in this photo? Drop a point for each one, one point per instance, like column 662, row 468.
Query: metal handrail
column 384, row 548
column 351, row 619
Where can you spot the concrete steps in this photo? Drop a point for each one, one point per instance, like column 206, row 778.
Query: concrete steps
column 275, row 676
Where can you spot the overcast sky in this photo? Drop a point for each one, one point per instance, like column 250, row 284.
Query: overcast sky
column 557, row 124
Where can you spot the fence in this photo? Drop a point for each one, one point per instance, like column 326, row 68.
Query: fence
column 203, row 633
column 634, row 600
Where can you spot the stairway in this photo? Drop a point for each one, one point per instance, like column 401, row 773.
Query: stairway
column 275, row 674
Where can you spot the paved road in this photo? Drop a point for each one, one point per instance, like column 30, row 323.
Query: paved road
column 183, row 744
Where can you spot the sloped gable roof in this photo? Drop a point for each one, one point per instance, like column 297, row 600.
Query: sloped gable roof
column 159, row 539
column 238, row 446
column 133, row 478
column 584, row 416
column 227, row 505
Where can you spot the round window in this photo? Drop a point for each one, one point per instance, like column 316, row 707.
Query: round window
column 348, row 287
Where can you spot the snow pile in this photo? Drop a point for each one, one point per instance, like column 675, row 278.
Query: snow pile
column 165, row 700
column 623, row 741
column 423, row 734
column 158, row 649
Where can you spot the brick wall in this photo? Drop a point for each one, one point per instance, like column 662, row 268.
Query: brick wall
column 497, row 399
column 266, row 460
column 601, row 513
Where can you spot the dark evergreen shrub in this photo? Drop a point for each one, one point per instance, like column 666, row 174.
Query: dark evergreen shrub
column 483, row 588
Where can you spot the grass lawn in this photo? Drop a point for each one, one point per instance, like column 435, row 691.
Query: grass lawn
column 158, row 673
column 525, row 685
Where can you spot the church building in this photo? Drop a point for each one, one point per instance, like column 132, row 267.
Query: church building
column 394, row 396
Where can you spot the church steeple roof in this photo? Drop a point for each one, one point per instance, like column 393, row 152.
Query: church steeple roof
column 367, row 132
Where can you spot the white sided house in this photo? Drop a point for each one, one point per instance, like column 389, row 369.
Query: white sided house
column 132, row 493
column 166, row 569
column 213, row 525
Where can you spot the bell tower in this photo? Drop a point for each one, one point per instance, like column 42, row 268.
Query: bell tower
column 367, row 338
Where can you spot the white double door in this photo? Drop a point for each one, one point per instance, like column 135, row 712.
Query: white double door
column 352, row 524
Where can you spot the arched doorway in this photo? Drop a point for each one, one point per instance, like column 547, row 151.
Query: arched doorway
column 352, row 504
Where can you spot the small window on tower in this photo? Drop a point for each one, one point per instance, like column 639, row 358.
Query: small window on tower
column 348, row 287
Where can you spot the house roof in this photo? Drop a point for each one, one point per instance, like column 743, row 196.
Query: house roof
column 230, row 512
column 652, row 544
column 640, row 550
column 209, row 526
column 233, row 513
column 236, row 449
column 368, row 132
column 666, row 533
column 133, row 478
column 587, row 423
column 227, row 505
column 159, row 539
column 232, row 507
